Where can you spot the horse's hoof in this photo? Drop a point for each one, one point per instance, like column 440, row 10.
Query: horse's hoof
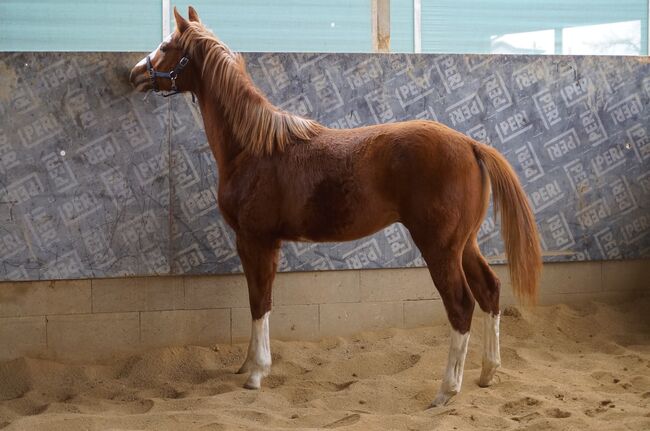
column 441, row 399
column 487, row 378
column 485, row 383
column 250, row 386
column 254, row 381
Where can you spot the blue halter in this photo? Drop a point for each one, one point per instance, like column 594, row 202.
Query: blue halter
column 171, row 75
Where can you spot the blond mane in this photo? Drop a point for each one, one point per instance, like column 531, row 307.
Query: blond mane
column 260, row 127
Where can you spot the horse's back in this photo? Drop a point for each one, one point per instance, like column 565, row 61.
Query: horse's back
column 400, row 158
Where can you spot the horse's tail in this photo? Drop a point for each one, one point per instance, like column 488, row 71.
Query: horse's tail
column 517, row 223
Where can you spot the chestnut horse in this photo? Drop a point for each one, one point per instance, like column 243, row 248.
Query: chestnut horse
column 283, row 177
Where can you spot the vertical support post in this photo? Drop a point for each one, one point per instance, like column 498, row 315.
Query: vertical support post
column 558, row 42
column 646, row 51
column 417, row 26
column 166, row 30
column 380, row 11
column 166, row 24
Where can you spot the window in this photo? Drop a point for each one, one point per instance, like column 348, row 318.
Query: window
column 588, row 27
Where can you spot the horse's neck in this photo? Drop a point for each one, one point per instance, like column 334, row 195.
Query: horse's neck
column 223, row 143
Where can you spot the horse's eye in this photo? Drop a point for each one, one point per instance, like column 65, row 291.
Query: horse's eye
column 163, row 47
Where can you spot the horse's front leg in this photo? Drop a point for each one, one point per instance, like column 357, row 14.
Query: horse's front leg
column 259, row 259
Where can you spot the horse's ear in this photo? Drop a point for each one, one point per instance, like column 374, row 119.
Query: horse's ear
column 181, row 23
column 192, row 14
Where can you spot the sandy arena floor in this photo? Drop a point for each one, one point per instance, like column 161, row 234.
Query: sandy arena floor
column 564, row 367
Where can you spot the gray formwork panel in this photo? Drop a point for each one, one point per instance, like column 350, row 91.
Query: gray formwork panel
column 96, row 181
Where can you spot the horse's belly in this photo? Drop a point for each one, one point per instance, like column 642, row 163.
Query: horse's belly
column 344, row 222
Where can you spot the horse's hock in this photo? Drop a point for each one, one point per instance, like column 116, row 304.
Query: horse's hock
column 118, row 218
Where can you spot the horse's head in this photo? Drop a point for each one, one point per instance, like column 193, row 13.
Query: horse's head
column 168, row 67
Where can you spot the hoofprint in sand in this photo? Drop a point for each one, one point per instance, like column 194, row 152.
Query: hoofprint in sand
column 564, row 367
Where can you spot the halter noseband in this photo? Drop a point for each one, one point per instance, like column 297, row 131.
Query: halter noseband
column 171, row 75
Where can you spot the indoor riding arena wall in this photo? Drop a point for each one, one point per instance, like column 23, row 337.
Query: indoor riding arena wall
column 111, row 240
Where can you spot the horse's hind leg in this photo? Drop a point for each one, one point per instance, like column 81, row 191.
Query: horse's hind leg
column 444, row 263
column 260, row 262
column 485, row 288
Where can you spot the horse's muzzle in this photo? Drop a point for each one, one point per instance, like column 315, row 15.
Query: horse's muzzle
column 138, row 78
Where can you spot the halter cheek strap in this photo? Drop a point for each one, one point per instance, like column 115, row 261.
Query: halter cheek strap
column 171, row 75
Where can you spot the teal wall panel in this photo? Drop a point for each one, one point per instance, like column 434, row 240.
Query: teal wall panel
column 288, row 25
column 572, row 27
column 90, row 25
column 401, row 26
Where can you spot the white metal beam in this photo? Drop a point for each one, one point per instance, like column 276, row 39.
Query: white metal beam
column 166, row 24
column 417, row 26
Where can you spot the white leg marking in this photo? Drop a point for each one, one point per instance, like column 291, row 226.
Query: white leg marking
column 453, row 378
column 491, row 354
column 258, row 359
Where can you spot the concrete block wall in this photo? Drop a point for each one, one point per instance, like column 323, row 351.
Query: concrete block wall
column 96, row 319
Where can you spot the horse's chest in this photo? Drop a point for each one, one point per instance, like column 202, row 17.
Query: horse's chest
column 228, row 201
column 249, row 206
column 228, row 212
